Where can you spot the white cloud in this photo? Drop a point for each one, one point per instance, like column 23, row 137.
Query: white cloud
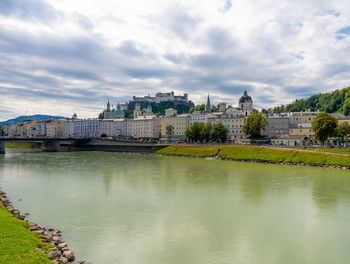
column 76, row 54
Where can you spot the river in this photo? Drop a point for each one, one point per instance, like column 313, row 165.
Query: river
column 143, row 209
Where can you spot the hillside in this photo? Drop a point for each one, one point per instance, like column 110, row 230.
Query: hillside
column 337, row 101
column 32, row 117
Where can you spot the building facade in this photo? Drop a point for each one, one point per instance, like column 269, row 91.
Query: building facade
column 87, row 128
column 54, row 127
column 146, row 127
column 174, row 125
column 277, row 125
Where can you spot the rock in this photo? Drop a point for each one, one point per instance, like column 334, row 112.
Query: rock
column 63, row 260
column 41, row 227
column 33, row 228
column 4, row 200
column 46, row 239
column 38, row 231
column 54, row 254
column 21, row 217
column 81, row 261
column 57, row 240
column 56, row 233
column 62, row 245
column 64, row 249
column 26, row 214
column 51, row 229
column 69, row 255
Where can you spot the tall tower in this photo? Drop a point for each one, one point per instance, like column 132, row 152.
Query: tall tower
column 208, row 106
column 246, row 104
column 108, row 106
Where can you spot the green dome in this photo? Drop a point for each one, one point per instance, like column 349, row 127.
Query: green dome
column 245, row 98
column 118, row 112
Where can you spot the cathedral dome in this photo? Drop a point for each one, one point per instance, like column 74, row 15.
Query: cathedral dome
column 118, row 111
column 245, row 98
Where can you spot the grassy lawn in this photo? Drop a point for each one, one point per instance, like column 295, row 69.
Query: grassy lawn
column 332, row 150
column 258, row 154
column 18, row 244
column 190, row 150
column 17, row 145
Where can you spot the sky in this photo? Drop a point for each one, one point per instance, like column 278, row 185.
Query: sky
column 62, row 56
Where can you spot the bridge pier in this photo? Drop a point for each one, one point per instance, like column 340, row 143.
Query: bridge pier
column 2, row 147
column 50, row 146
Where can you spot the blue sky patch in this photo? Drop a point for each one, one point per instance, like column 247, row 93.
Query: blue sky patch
column 342, row 33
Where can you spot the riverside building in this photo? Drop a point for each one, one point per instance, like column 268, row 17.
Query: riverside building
column 173, row 125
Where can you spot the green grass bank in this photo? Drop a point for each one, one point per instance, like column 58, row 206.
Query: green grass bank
column 258, row 154
column 18, row 145
column 17, row 244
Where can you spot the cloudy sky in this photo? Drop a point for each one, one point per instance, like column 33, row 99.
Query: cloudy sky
column 63, row 56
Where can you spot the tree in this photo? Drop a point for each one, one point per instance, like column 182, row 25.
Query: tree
column 2, row 132
column 200, row 108
column 343, row 130
column 100, row 116
column 219, row 133
column 194, row 132
column 169, row 130
column 255, row 123
column 324, row 126
column 205, row 132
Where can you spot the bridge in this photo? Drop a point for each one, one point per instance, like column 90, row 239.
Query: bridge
column 84, row 144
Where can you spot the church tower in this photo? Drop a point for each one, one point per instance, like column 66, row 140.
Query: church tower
column 246, row 104
column 208, row 106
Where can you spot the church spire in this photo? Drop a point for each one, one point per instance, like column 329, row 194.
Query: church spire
column 108, row 106
column 208, row 106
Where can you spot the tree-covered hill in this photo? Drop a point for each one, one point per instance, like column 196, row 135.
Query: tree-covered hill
column 337, row 101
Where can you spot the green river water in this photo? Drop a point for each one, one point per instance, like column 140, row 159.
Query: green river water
column 142, row 209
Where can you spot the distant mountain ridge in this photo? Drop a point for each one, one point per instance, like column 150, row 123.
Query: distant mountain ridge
column 337, row 101
column 31, row 118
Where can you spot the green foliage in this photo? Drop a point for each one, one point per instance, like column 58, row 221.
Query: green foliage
column 253, row 153
column 2, row 132
column 343, row 130
column 159, row 109
column 200, row 108
column 17, row 243
column 169, row 130
column 100, row 116
column 334, row 102
column 324, row 126
column 254, row 124
column 218, row 133
column 194, row 132
column 200, row 132
column 205, row 132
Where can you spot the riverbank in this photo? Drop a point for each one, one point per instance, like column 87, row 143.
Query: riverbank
column 18, row 145
column 259, row 154
column 25, row 242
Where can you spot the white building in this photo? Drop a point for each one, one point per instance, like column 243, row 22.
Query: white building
column 119, row 127
column 197, row 116
column 106, row 128
column 87, row 128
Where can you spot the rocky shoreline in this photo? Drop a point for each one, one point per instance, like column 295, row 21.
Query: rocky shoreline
column 59, row 252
